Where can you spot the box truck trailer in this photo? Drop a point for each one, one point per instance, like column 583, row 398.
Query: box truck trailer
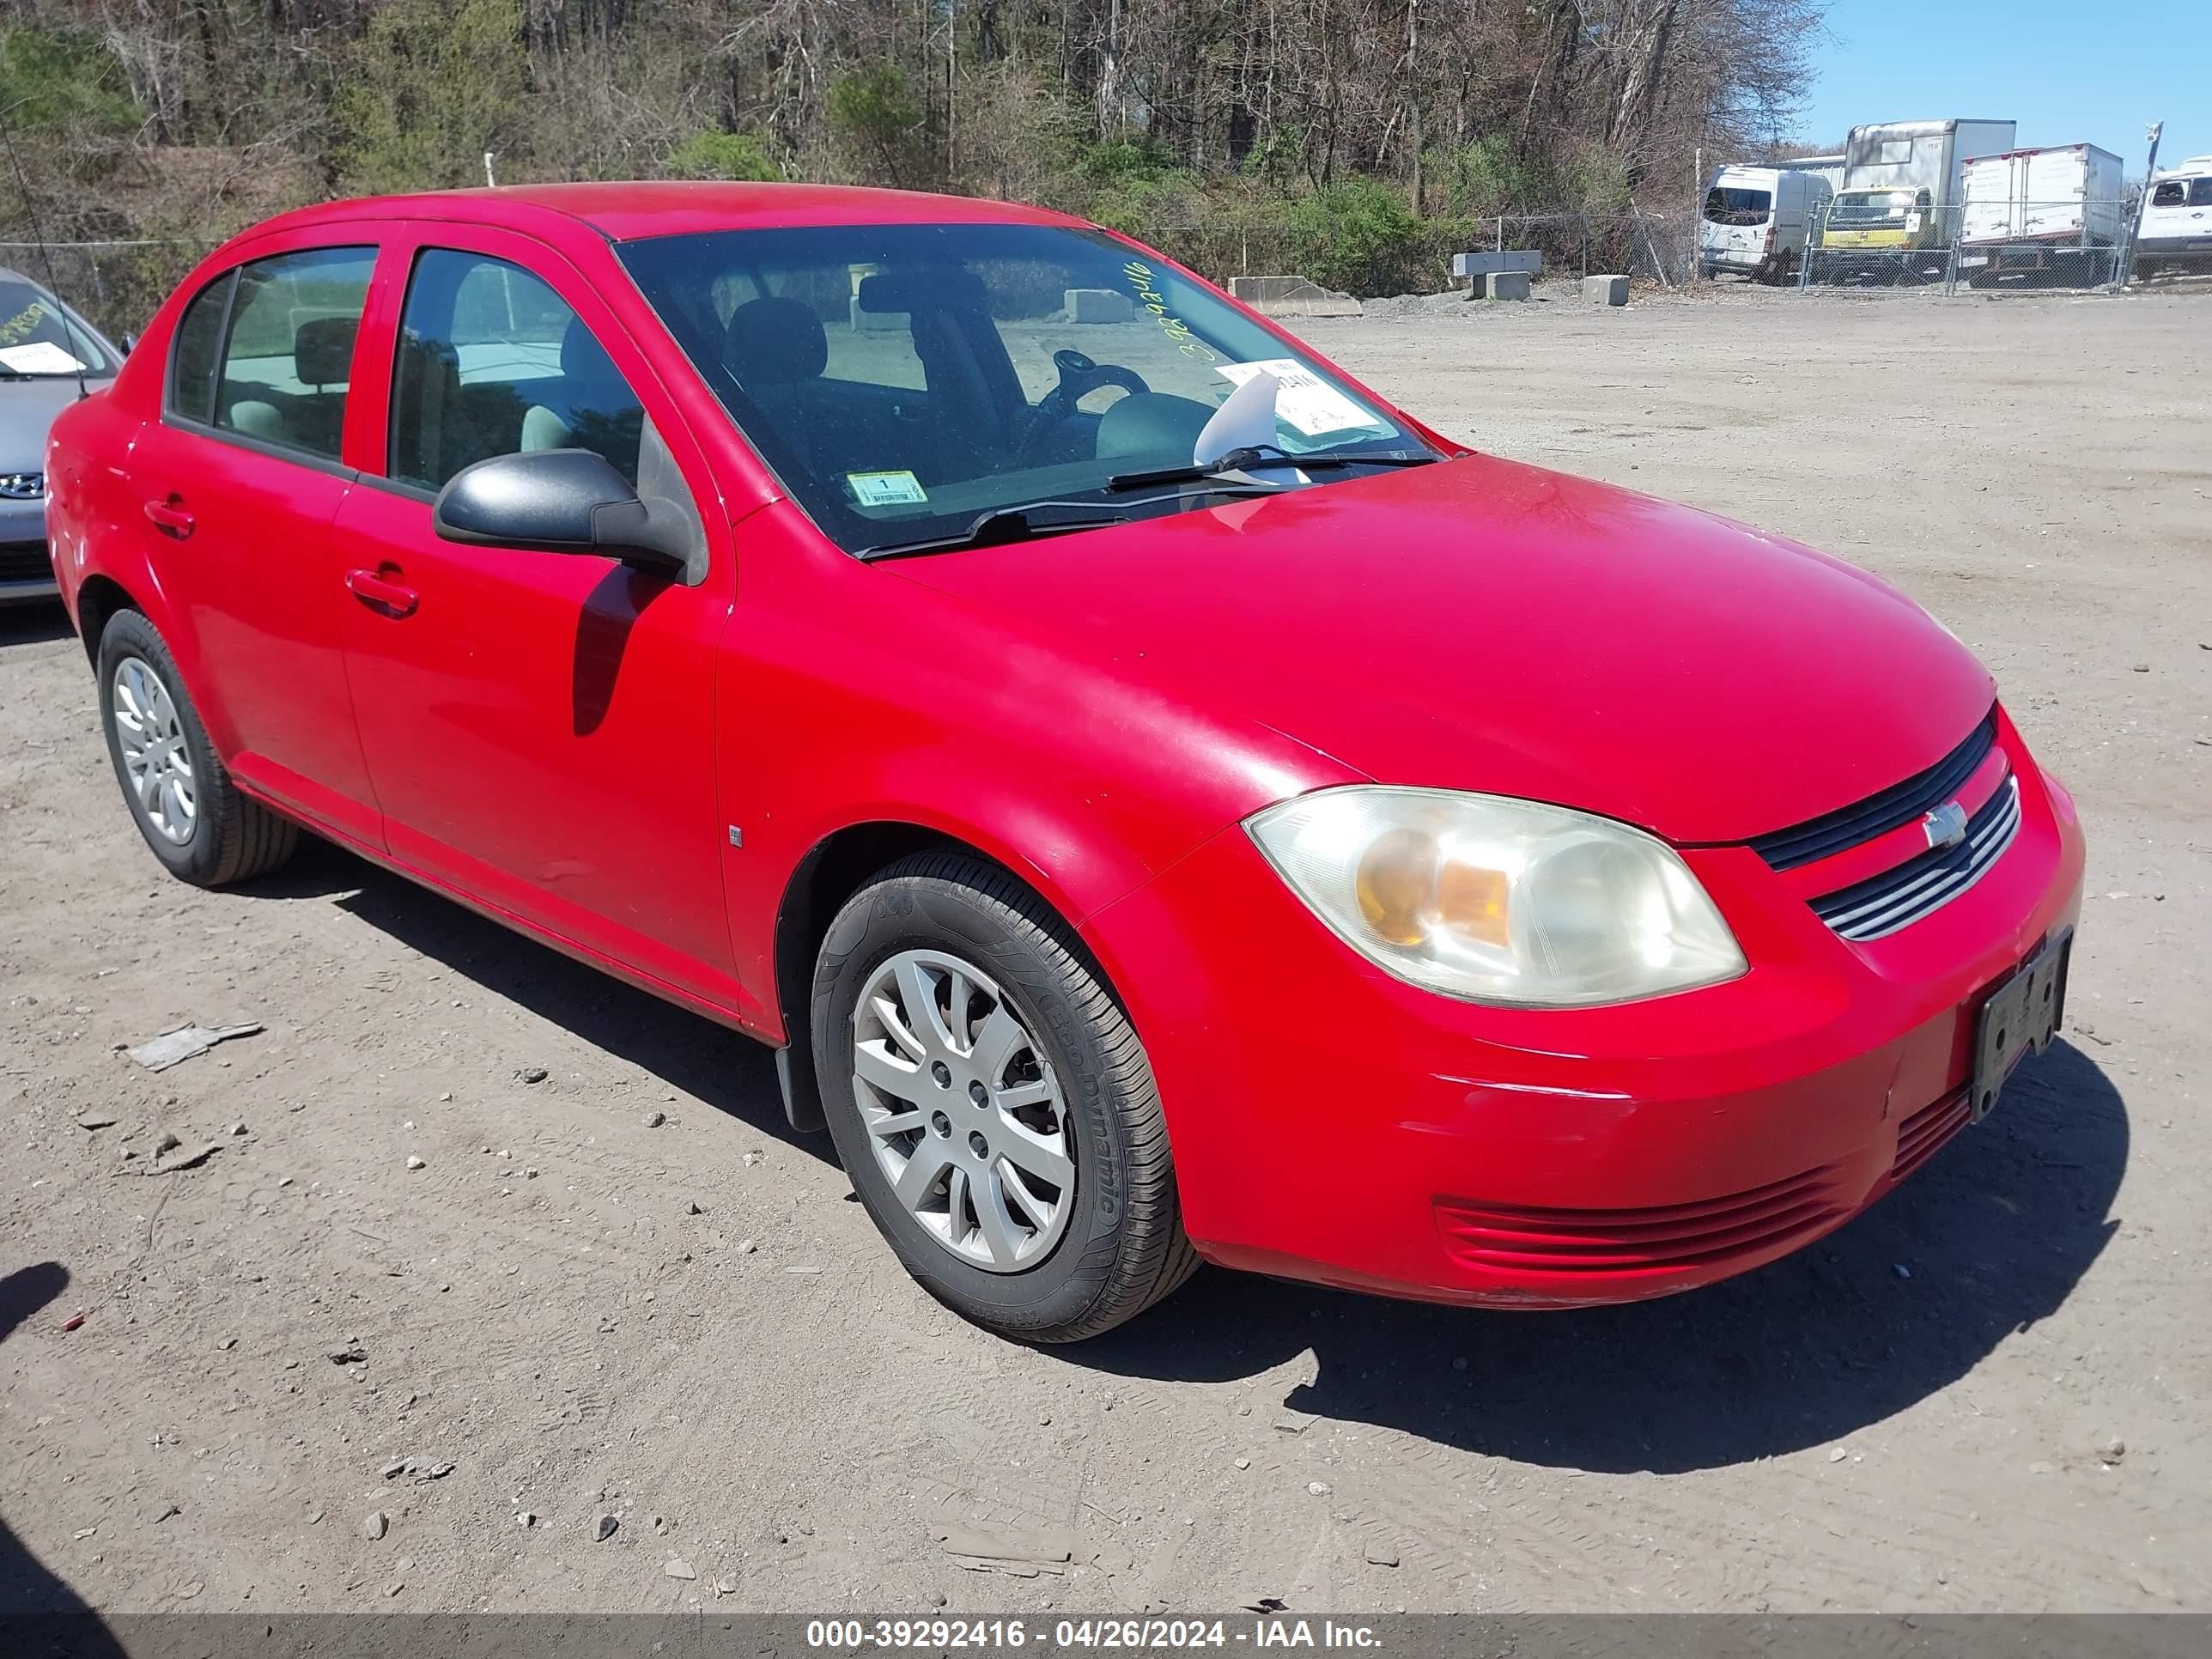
column 2055, row 210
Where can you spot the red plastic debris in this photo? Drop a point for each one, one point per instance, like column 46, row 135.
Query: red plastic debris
column 73, row 1320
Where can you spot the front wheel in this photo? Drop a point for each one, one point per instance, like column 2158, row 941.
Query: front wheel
column 992, row 1106
column 181, row 797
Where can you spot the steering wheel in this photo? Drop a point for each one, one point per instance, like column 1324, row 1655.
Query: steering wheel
column 1079, row 378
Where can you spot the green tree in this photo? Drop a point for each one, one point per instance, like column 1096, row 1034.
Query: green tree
column 875, row 111
column 434, row 85
column 729, row 156
column 62, row 80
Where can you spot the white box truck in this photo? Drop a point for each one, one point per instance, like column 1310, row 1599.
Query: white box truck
column 1755, row 219
column 2056, row 211
column 1896, row 217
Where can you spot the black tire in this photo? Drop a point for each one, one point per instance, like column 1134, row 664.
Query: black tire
column 1123, row 1248
column 232, row 838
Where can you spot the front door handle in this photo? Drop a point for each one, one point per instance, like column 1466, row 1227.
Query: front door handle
column 392, row 598
column 169, row 517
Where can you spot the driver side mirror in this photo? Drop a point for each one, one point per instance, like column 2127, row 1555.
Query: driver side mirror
column 568, row 501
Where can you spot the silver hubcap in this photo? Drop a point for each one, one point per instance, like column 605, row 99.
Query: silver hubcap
column 962, row 1111
column 156, row 758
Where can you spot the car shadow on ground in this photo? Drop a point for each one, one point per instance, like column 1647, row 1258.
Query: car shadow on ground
column 35, row 1602
column 688, row 1052
column 34, row 624
column 1989, row 1237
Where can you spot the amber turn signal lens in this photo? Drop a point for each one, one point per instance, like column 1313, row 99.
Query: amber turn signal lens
column 1397, row 875
column 1471, row 901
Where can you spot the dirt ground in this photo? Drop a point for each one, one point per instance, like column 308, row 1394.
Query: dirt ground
column 1989, row 1393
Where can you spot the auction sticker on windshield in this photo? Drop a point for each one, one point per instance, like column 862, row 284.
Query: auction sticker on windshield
column 886, row 488
column 1303, row 399
column 38, row 357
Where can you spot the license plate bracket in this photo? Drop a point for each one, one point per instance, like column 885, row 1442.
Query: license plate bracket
column 2019, row 1018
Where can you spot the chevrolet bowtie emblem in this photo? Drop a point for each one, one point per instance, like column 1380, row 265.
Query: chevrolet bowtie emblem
column 1946, row 825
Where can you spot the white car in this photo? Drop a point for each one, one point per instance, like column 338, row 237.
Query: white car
column 49, row 358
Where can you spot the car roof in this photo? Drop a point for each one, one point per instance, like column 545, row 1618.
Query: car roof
column 628, row 211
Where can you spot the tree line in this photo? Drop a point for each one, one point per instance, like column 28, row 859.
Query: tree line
column 1364, row 136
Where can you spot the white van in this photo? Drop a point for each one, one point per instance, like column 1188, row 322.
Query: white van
column 1754, row 221
column 2176, row 228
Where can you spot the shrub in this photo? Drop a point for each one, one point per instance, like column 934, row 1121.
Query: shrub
column 734, row 156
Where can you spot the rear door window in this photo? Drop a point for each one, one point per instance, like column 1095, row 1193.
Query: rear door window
column 286, row 359
column 1732, row 206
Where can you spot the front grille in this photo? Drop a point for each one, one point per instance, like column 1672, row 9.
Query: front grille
column 1920, row 1136
column 1623, row 1241
column 1877, row 815
column 1880, row 906
column 26, row 561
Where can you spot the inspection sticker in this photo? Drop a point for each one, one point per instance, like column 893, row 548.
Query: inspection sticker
column 1303, row 399
column 885, row 489
column 39, row 357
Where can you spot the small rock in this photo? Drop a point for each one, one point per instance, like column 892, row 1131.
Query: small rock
column 746, row 1247
column 376, row 1524
column 227, row 1342
column 2143, row 668
column 1900, row 1270
column 727, row 1587
column 693, row 1208
column 406, row 1564
column 2112, row 1450
column 678, row 1567
column 395, row 1587
column 95, row 1121
column 168, row 1143
column 415, row 1163
column 2038, row 1467
column 1318, row 1488
column 159, row 1513
column 1837, row 1453
column 238, row 1128
column 1459, row 1363
column 655, row 1118
column 604, row 1528
column 530, row 1174
column 750, row 1159
column 531, row 1074
column 1244, row 1462
column 1378, row 1556
column 351, row 1353
column 395, row 1468
column 527, row 1518
column 936, row 1598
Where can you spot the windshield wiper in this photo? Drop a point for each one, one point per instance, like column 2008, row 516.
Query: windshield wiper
column 1254, row 460
column 1002, row 525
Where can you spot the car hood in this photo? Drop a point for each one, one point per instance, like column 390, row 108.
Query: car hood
column 1482, row 625
column 27, row 408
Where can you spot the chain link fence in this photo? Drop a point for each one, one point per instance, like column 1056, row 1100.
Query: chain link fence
column 1996, row 248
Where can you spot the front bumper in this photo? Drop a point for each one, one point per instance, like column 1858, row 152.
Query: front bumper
column 27, row 570
column 1332, row 1123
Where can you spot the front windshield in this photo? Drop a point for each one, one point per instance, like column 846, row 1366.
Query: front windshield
column 904, row 380
column 39, row 338
column 1871, row 207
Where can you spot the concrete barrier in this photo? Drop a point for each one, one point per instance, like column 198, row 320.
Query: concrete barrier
column 1506, row 285
column 1606, row 291
column 1475, row 266
column 1098, row 305
column 1291, row 296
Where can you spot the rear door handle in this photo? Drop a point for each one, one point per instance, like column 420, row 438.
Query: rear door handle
column 170, row 518
column 389, row 597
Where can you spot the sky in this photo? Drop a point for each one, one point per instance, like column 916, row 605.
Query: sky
column 2067, row 70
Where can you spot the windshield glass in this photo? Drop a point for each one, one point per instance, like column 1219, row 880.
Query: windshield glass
column 904, row 381
column 37, row 336
column 1871, row 207
column 1732, row 206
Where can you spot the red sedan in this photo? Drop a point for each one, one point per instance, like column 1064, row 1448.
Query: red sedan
column 1161, row 801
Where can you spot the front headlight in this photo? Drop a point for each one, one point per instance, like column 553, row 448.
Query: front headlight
column 1499, row 900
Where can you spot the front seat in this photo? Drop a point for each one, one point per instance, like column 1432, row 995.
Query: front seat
column 594, row 408
column 776, row 349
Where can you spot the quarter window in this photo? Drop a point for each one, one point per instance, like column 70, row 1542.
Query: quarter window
column 492, row 361
column 287, row 358
column 2169, row 194
column 199, row 350
column 2200, row 192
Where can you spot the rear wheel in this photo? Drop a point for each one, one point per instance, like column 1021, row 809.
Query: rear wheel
column 992, row 1106
column 183, row 801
